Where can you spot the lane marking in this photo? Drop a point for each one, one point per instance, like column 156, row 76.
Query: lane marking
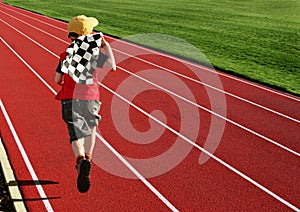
column 244, row 176
column 184, row 61
column 214, row 71
column 28, row 66
column 9, row 176
column 213, row 113
column 224, row 118
column 37, row 43
column 123, row 160
column 214, row 88
column 26, row 160
column 33, row 26
column 133, row 170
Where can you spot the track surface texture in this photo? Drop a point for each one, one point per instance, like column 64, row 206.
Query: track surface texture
column 218, row 143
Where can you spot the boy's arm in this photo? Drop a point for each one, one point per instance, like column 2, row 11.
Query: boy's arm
column 59, row 78
column 108, row 51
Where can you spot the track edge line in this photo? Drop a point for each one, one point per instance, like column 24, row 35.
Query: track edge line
column 14, row 191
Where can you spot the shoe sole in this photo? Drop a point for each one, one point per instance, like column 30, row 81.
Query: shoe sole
column 83, row 180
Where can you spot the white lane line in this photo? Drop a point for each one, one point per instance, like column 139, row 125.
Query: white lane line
column 28, row 66
column 37, row 43
column 209, row 154
column 244, row 176
column 14, row 190
column 33, row 27
column 169, row 56
column 229, row 120
column 26, row 159
column 213, row 71
column 133, row 170
column 128, row 165
column 213, row 113
column 168, row 70
column 36, row 14
column 211, row 87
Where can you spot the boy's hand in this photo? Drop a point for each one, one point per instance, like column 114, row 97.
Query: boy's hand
column 108, row 51
column 59, row 79
column 60, row 82
column 104, row 42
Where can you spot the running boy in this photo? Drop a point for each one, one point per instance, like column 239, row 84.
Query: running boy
column 79, row 93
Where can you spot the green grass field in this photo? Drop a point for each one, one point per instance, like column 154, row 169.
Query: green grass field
column 257, row 39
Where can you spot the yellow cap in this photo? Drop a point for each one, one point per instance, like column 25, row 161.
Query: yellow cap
column 82, row 25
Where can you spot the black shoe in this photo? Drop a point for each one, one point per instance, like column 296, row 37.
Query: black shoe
column 83, row 179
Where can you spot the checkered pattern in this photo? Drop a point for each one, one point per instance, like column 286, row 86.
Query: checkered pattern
column 81, row 59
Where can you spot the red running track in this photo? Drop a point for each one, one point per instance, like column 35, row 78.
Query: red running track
column 252, row 131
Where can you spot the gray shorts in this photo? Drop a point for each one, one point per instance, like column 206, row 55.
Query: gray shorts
column 80, row 115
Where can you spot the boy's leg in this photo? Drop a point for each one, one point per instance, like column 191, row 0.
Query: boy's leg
column 89, row 110
column 89, row 143
column 91, row 113
column 77, row 147
column 78, row 129
column 83, row 166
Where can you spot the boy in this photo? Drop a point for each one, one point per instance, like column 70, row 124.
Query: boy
column 79, row 93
